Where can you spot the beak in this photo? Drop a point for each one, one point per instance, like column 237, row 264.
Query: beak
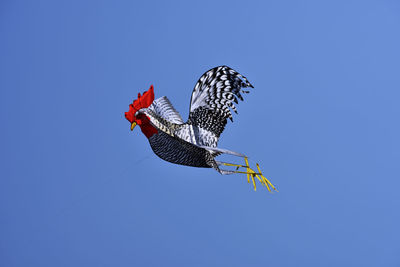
column 133, row 125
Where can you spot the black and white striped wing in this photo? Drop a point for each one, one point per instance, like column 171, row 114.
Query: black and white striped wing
column 212, row 100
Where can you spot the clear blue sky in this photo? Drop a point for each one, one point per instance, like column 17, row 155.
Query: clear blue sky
column 78, row 188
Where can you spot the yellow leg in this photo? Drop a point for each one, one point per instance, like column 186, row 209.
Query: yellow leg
column 251, row 173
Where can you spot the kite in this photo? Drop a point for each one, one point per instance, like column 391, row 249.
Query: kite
column 194, row 142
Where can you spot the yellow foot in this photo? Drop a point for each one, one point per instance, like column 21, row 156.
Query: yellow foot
column 251, row 173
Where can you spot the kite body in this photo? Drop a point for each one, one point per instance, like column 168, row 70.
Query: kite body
column 194, row 142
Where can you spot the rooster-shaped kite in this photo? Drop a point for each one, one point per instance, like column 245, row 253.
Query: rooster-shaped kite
column 194, row 143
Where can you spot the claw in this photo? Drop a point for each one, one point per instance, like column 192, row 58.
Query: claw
column 266, row 181
column 247, row 165
column 251, row 173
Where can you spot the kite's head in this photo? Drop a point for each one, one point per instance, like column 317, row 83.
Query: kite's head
column 143, row 101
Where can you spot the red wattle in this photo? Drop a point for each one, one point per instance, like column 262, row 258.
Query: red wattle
column 147, row 129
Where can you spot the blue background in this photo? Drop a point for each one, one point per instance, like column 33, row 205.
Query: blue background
column 78, row 188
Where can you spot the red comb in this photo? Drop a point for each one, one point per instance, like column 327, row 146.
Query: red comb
column 143, row 101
